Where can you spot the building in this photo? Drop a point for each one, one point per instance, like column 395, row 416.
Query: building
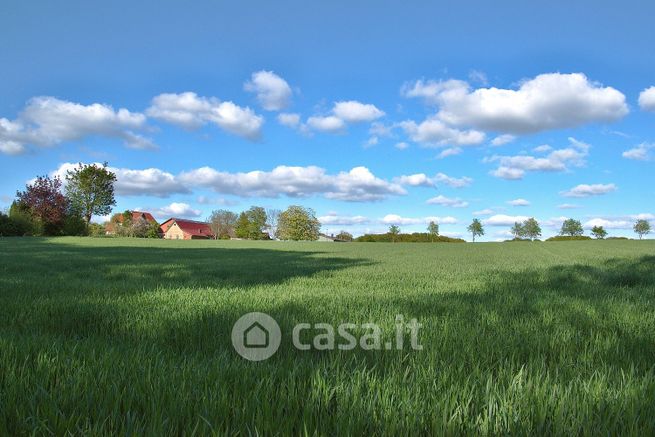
column 182, row 229
column 118, row 219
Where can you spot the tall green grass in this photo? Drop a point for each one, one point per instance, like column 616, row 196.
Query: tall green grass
column 120, row 336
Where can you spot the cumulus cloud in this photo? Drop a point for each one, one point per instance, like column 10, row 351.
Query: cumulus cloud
column 504, row 220
column 352, row 111
column 518, row 202
column 291, row 120
column 423, row 180
column 435, row 133
column 618, row 222
column 548, row 101
column 640, row 153
column 333, row 219
column 129, row 182
column 191, row 111
column 48, row 121
column 273, row 93
column 401, row 145
column 395, row 219
column 359, row 184
column 515, row 167
column 487, row 211
column 175, row 209
column 502, row 140
column 451, row 151
column 329, row 123
column 585, row 190
column 568, row 206
column 442, row 200
column 647, row 99
column 544, row 148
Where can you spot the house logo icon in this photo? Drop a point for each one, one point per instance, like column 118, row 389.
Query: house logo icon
column 256, row 336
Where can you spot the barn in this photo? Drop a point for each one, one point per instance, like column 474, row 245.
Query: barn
column 182, row 229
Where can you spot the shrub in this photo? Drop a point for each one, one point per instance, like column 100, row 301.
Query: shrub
column 569, row 238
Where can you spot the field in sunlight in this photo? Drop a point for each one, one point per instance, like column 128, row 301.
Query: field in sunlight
column 133, row 336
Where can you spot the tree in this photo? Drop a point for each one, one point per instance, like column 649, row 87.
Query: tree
column 90, row 190
column 298, row 223
column 44, row 201
column 257, row 220
column 518, row 231
column 242, row 227
column 599, row 232
column 572, row 228
column 531, row 228
column 272, row 217
column 394, row 231
column 642, row 227
column 344, row 236
column 476, row 229
column 223, row 223
column 433, row 230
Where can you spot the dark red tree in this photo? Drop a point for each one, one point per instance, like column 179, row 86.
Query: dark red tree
column 44, row 200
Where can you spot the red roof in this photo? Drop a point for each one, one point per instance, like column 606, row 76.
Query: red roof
column 191, row 227
column 136, row 215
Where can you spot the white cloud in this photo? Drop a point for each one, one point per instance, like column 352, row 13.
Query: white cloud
column 504, row 220
column 462, row 182
column 394, row 219
column 640, row 153
column 401, row 145
column 585, row 190
column 146, row 182
column 359, row 184
column 451, row 151
column 190, row 111
column 334, row 219
column 352, row 111
column 434, row 133
column 273, row 92
column 548, row 101
column 647, row 99
column 608, row 224
column 568, row 206
column 175, row 209
column 487, row 211
column 447, row 201
column 542, row 149
column 502, row 140
column 515, row 167
column 423, row 180
column 329, row 123
column 221, row 201
column 48, row 121
column 519, row 202
column 291, row 120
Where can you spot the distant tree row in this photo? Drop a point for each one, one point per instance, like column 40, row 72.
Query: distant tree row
column 295, row 223
column 46, row 207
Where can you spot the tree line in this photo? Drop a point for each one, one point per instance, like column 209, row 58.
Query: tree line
column 296, row 223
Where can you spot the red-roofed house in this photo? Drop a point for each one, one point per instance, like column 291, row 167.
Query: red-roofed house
column 181, row 229
column 117, row 220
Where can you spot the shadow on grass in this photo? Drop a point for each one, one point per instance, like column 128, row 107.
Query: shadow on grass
column 41, row 265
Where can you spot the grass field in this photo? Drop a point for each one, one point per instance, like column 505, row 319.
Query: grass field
column 132, row 336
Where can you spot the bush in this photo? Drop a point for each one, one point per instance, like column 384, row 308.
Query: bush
column 569, row 238
column 416, row 237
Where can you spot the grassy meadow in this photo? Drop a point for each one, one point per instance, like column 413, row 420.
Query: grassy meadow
column 128, row 336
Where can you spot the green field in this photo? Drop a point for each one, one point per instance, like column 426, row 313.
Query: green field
column 130, row 336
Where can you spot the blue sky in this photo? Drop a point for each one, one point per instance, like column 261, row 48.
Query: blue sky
column 373, row 114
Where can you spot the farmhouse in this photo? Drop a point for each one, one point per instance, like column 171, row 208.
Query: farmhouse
column 118, row 219
column 181, row 229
